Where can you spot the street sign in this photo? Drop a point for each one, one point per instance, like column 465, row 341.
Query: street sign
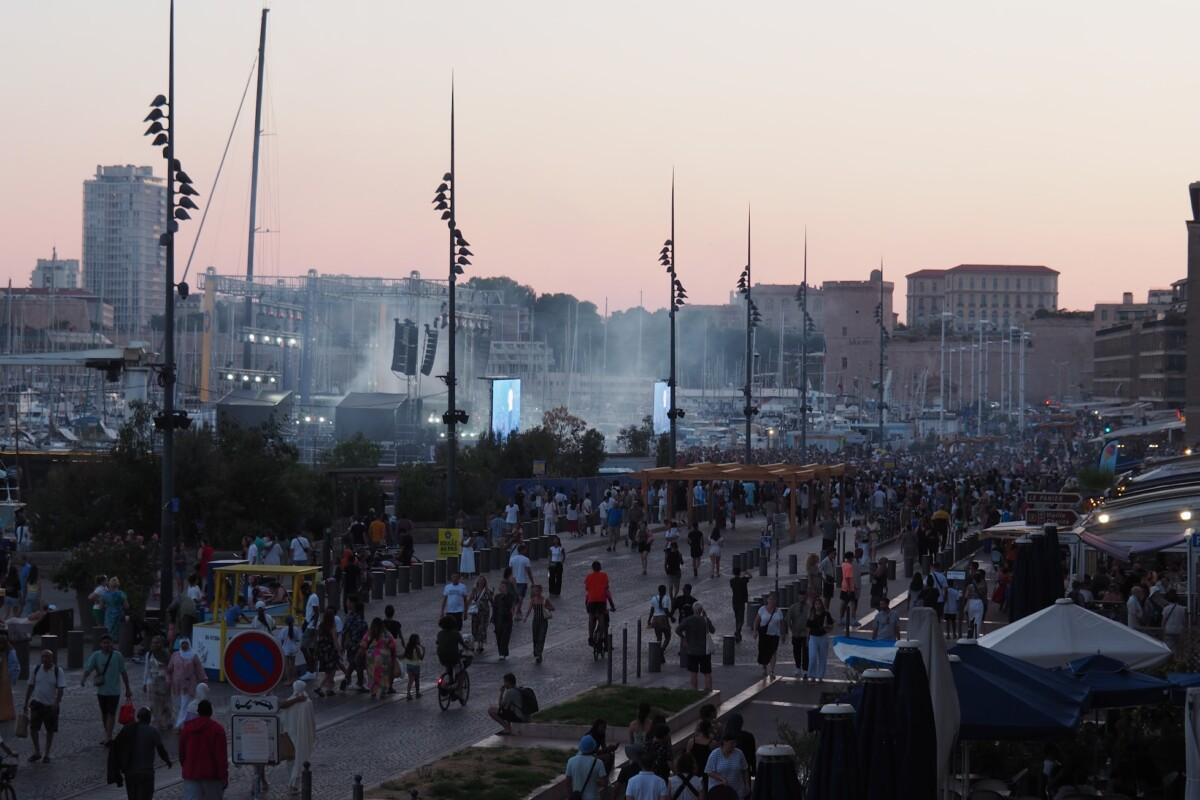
column 1052, row 498
column 261, row 704
column 539, row 467
column 449, row 542
column 1062, row 517
column 255, row 739
column 253, row 662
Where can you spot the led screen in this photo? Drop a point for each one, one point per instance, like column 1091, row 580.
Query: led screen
column 506, row 407
column 662, row 405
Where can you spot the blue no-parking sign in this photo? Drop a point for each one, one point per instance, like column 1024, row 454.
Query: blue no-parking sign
column 253, row 662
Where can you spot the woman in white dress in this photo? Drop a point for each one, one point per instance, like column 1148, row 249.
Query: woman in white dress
column 714, row 551
column 299, row 722
column 466, row 560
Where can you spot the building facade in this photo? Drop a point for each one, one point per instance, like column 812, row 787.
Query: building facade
column 852, row 334
column 780, row 308
column 999, row 294
column 1144, row 360
column 55, row 273
column 123, row 263
column 1105, row 314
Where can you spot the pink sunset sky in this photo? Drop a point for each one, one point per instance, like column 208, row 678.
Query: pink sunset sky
column 925, row 133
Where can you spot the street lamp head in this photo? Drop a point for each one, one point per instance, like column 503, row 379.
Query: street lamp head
column 181, row 213
column 445, row 215
column 155, row 113
column 158, row 101
column 187, row 190
column 155, row 127
column 447, row 178
column 162, row 138
column 186, row 202
column 181, row 176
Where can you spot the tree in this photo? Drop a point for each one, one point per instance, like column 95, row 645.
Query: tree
column 517, row 294
column 132, row 558
column 636, row 439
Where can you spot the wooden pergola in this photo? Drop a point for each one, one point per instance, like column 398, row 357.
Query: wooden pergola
column 789, row 475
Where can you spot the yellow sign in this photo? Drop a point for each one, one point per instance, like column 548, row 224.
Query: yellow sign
column 449, row 542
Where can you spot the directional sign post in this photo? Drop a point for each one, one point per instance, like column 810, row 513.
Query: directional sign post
column 253, row 662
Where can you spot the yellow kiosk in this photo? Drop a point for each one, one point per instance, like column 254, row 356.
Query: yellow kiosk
column 211, row 637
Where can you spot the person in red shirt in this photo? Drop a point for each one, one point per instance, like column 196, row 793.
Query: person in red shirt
column 597, row 596
column 203, row 756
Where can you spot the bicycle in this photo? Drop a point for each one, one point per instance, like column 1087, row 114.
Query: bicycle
column 599, row 639
column 8, row 774
column 459, row 689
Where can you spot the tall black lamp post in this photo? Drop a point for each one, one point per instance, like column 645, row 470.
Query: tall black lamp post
column 162, row 119
column 444, row 201
column 666, row 257
column 752, row 320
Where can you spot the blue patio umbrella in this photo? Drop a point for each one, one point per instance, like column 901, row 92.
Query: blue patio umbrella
column 877, row 735
column 834, row 774
column 1001, row 697
column 916, row 733
column 1114, row 685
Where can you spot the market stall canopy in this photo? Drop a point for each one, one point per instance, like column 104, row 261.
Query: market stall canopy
column 1064, row 632
column 1005, row 698
column 1115, row 685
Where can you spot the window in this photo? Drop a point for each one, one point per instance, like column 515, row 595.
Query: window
column 845, row 363
column 844, row 332
column 1006, row 283
column 971, row 283
column 1104, row 315
column 1018, row 283
column 995, row 283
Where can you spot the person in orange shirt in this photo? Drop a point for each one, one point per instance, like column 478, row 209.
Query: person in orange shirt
column 377, row 532
column 597, row 596
column 849, row 590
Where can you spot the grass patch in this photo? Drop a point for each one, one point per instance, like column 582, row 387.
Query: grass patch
column 480, row 773
column 617, row 705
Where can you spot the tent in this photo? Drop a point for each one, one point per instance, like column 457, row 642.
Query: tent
column 1114, row 685
column 877, row 736
column 1005, row 698
column 925, row 629
column 916, row 753
column 835, row 774
column 1064, row 632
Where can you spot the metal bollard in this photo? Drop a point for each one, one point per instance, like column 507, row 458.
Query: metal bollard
column 74, row 649
column 625, row 653
column 389, row 582
column 762, row 565
column 358, row 788
column 483, row 561
column 639, row 649
column 654, row 657
column 610, row 652
column 417, row 576
column 452, row 566
column 428, row 573
column 793, row 564
column 403, row 580
column 499, row 558
column 49, row 642
column 306, row 782
column 377, row 584
column 439, row 571
column 728, row 650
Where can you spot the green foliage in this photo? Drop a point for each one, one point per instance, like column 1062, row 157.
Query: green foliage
column 662, row 451
column 636, row 439
column 355, row 452
column 618, row 704
column 131, row 558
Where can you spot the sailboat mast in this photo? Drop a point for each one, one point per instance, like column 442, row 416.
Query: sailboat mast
column 247, row 345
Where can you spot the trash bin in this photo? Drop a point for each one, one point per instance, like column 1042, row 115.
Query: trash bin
column 728, row 650
column 654, row 657
column 417, row 576
column 793, row 564
column 403, row 579
column 776, row 774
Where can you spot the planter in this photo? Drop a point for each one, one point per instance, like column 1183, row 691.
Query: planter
column 618, row 731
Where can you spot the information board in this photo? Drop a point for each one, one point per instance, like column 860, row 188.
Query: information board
column 255, row 739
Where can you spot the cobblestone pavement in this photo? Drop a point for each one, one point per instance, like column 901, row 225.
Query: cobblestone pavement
column 379, row 740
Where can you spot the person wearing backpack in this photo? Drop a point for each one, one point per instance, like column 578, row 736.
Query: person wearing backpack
column 511, row 706
column 585, row 772
column 43, row 698
column 685, row 784
column 300, row 547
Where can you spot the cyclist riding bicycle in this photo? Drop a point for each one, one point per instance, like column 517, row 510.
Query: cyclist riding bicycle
column 598, row 598
column 450, row 647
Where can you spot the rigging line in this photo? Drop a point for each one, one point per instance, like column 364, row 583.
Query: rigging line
column 212, row 192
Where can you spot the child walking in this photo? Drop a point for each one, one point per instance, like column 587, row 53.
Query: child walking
column 414, row 654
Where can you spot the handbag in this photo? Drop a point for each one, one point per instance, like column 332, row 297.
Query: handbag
column 22, row 728
column 126, row 714
column 286, row 748
column 577, row 794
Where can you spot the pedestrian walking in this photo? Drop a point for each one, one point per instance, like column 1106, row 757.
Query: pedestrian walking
column 329, row 658
column 695, row 548
column 558, row 559
column 203, row 753
column 695, row 633
column 740, row 586
column 289, row 638
column 479, row 609
column 714, row 552
column 454, row 600
column 768, row 629
column 660, row 617
column 32, row 597
column 727, row 766
column 116, row 608
column 673, row 566
column 379, row 652
column 108, row 666
column 155, row 687
column 298, row 720
column 542, row 611
column 506, row 605
column 43, row 700
column 644, row 543
column 184, row 673
column 820, row 622
column 797, row 629
column 414, row 654
column 131, row 759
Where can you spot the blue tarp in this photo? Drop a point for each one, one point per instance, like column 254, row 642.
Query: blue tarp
column 1180, row 682
column 1001, row 697
column 1114, row 685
